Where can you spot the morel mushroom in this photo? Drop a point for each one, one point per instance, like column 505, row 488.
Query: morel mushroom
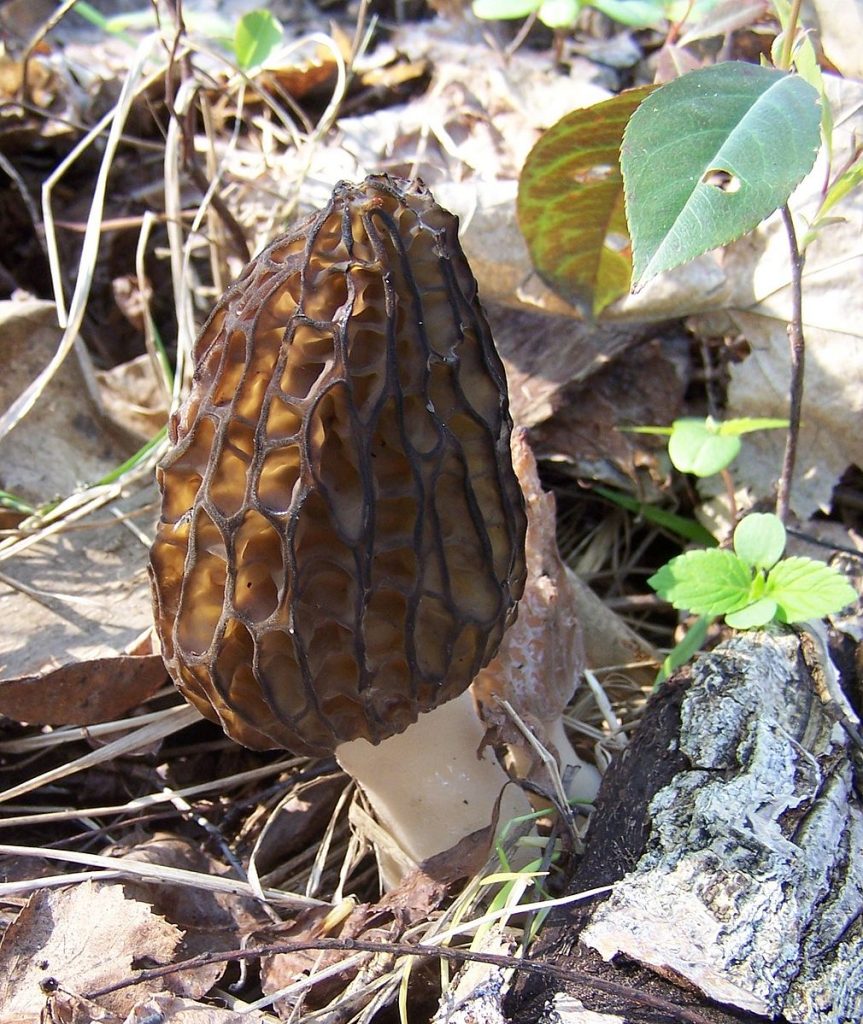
column 341, row 544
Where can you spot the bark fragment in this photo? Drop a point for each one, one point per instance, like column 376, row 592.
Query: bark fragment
column 749, row 886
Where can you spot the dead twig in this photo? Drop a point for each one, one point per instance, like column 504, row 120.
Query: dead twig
column 798, row 352
column 659, row 1003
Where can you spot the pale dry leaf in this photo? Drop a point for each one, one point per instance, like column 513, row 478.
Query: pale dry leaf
column 79, row 594
column 839, row 26
column 65, row 441
column 79, row 940
column 134, row 398
column 165, row 1008
column 832, row 408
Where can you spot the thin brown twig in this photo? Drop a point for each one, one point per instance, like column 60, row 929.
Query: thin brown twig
column 659, row 1003
column 51, row 22
column 798, row 354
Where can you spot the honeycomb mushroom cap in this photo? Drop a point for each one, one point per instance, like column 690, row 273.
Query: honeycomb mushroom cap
column 341, row 541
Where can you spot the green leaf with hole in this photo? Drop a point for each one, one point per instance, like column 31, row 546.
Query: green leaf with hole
column 696, row 446
column 807, row 589
column 759, row 539
column 711, row 582
column 570, row 204
column 258, row 34
column 708, row 156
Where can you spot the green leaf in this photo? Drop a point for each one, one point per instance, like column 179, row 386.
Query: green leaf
column 747, row 424
column 807, row 589
column 696, row 447
column 635, row 13
column 759, row 613
column 692, row 642
column 850, row 179
column 688, row 529
column 559, row 13
column 503, row 10
column 708, row 156
column 258, row 34
column 711, row 582
column 570, row 204
column 759, row 539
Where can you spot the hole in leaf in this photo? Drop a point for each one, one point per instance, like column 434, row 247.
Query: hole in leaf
column 616, row 242
column 725, row 181
column 593, row 175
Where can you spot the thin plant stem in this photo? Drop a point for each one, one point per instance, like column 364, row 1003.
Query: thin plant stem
column 797, row 346
column 790, row 33
column 728, row 480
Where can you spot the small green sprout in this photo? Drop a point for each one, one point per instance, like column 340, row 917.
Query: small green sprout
column 707, row 446
column 257, row 36
column 752, row 585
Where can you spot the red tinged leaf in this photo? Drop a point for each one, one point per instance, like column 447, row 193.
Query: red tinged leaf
column 570, row 204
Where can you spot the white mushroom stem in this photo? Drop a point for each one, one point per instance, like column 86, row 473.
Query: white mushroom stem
column 428, row 786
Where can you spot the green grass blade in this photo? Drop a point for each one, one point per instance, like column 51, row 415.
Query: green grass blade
column 680, row 526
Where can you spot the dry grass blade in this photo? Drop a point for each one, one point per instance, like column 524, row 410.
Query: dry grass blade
column 170, row 721
column 149, row 872
column 117, row 118
column 138, row 804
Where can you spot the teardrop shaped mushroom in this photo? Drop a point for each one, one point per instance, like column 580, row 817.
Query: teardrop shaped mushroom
column 341, row 542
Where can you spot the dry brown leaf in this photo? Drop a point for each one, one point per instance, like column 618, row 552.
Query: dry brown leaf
column 83, row 693
column 416, row 898
column 209, row 921
column 576, row 386
column 299, row 823
column 134, row 398
column 78, row 940
column 43, row 84
column 282, row 970
column 540, row 659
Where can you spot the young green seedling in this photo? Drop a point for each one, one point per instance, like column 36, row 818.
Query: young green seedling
column 706, row 446
column 753, row 585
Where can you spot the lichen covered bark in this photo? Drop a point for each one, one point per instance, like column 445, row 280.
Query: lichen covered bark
column 751, row 886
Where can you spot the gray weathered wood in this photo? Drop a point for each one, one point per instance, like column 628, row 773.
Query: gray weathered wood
column 751, row 885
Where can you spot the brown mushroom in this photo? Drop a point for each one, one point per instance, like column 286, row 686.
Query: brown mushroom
column 341, row 544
